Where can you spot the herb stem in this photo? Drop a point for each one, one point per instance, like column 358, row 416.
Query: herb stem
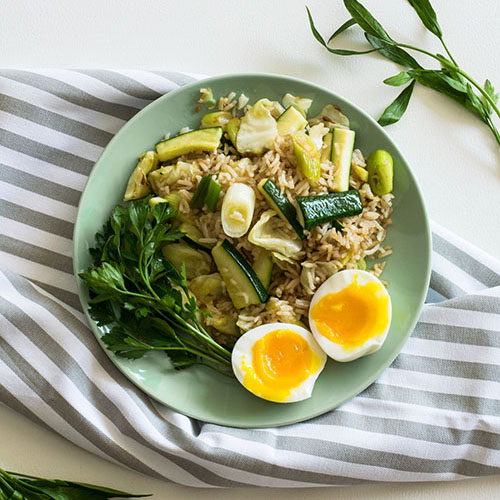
column 447, row 51
column 483, row 92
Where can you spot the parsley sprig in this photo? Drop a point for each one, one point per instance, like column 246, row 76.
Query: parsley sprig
column 16, row 486
column 450, row 79
column 139, row 296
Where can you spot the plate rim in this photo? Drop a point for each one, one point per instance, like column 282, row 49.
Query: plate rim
column 206, row 82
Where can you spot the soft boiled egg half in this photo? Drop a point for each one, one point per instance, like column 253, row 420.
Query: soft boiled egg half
column 279, row 362
column 350, row 315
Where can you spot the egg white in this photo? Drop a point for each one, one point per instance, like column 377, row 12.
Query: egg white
column 242, row 354
column 335, row 284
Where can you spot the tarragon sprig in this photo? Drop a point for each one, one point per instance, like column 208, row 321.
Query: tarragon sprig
column 450, row 80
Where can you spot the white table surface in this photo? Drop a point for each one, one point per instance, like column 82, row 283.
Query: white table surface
column 453, row 154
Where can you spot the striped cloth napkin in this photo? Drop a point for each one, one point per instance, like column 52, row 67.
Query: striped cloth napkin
column 433, row 415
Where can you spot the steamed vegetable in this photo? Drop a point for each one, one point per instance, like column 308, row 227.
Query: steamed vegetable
column 243, row 285
column 263, row 235
column 281, row 204
column 134, row 290
column 332, row 117
column 212, row 195
column 380, row 171
column 216, row 119
column 316, row 133
column 237, row 209
column 326, row 150
column 182, row 255
column 257, row 130
column 208, row 287
column 198, row 199
column 318, row 209
column 232, row 129
column 263, row 266
column 193, row 235
column 170, row 174
column 291, row 121
column 307, row 156
column 342, row 147
column 300, row 103
column 205, row 139
column 138, row 186
column 207, row 98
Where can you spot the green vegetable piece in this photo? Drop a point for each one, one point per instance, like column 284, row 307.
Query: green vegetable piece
column 216, row 119
column 195, row 262
column 242, row 283
column 301, row 103
column 307, row 157
column 138, row 186
column 380, row 172
column 193, row 236
column 316, row 210
column 205, row 139
column 263, row 266
column 361, row 172
column 232, row 129
column 174, row 198
column 207, row 98
column 212, row 195
column 291, row 121
column 361, row 264
column 337, row 225
column 281, row 204
column 198, row 199
column 156, row 200
column 342, row 147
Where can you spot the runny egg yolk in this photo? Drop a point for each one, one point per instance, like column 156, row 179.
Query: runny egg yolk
column 352, row 315
column 281, row 360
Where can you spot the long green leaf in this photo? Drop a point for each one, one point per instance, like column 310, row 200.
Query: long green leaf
column 393, row 53
column 345, row 26
column 437, row 80
column 366, row 21
column 339, row 52
column 396, row 109
column 398, row 80
column 427, row 15
column 490, row 90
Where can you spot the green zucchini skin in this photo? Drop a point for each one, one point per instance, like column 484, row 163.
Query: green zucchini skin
column 281, row 204
column 323, row 208
column 263, row 268
column 243, row 285
column 212, row 194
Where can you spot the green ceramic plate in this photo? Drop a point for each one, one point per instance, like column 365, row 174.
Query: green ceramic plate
column 199, row 392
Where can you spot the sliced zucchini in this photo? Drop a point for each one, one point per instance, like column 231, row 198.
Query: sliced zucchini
column 195, row 262
column 216, row 119
column 316, row 210
column 291, row 121
column 174, row 198
column 361, row 172
column 193, row 236
column 307, row 156
column 263, row 267
column 205, row 139
column 281, row 204
column 232, row 129
column 342, row 147
column 242, row 283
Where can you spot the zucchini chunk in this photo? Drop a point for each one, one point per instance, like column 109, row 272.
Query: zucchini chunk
column 242, row 283
column 291, row 121
column 232, row 129
column 195, row 262
column 326, row 150
column 205, row 139
column 342, row 147
column 316, row 210
column 263, row 267
column 281, row 204
column 212, row 196
column 193, row 236
column 216, row 119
